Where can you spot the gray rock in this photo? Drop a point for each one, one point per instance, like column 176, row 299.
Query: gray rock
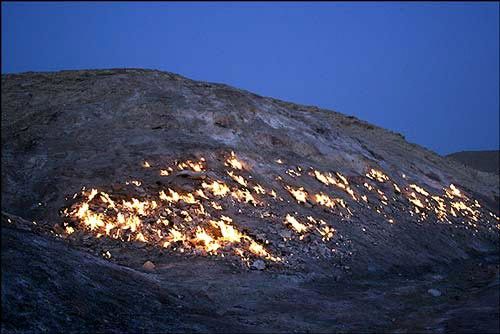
column 149, row 266
column 259, row 265
column 286, row 234
column 434, row 292
column 437, row 277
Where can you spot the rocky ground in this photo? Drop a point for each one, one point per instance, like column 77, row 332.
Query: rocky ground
column 486, row 161
column 141, row 200
column 49, row 286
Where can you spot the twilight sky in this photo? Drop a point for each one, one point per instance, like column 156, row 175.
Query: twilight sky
column 427, row 70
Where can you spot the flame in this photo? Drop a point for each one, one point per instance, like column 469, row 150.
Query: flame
column 381, row 193
column 415, row 201
column 109, row 227
column 131, row 223
column 137, row 206
column 216, row 206
column 259, row 190
column 93, row 221
column 297, row 226
column 196, row 166
column 344, row 180
column 322, row 178
column 93, row 193
column 217, row 188
column 134, row 182
column 172, row 197
column 106, row 199
column 229, row 233
column 180, row 221
column 455, row 191
column 189, row 198
column 257, row 249
column 293, row 173
column 419, row 190
column 200, row 193
column 146, row 164
column 327, row 232
column 322, row 227
column 239, row 179
column 377, row 175
column 127, row 219
column 200, row 210
column 234, row 162
column 210, row 244
column 82, row 211
column 329, row 179
column 461, row 206
column 176, row 235
column 440, row 211
column 244, row 196
column 324, row 200
column 140, row 237
column 299, row 194
column 351, row 192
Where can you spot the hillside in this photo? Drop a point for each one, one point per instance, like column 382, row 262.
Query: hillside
column 486, row 161
column 135, row 165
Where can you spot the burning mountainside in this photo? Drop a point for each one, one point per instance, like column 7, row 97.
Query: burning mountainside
column 195, row 168
column 205, row 220
column 137, row 165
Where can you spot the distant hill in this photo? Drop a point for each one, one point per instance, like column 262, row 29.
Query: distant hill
column 486, row 161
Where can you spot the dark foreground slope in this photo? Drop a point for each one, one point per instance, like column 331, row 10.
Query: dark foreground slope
column 208, row 181
column 48, row 286
column 486, row 161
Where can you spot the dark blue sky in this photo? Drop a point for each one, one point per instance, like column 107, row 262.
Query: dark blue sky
column 427, row 70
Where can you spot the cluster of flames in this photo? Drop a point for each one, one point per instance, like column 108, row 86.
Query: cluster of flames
column 195, row 221
column 173, row 219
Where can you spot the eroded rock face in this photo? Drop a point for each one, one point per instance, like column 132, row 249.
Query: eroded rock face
column 97, row 129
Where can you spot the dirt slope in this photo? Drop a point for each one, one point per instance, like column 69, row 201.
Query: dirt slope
column 486, row 161
column 134, row 165
column 49, row 286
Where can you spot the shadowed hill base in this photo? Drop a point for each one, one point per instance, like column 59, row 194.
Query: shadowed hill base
column 48, row 286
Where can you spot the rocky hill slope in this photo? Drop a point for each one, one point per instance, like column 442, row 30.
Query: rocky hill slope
column 140, row 165
column 486, row 161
